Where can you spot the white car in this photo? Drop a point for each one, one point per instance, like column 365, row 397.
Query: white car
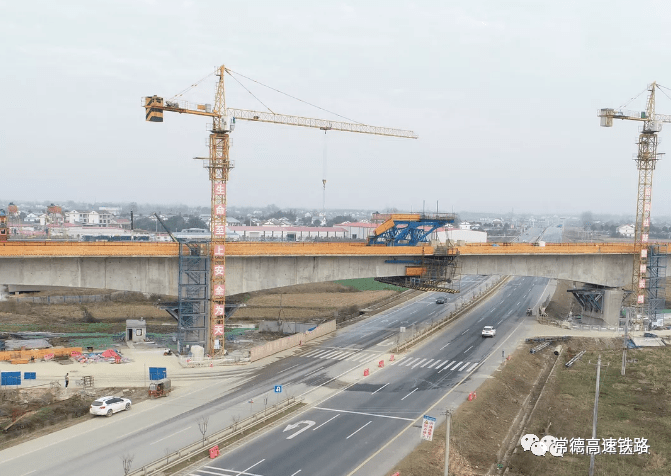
column 488, row 331
column 109, row 405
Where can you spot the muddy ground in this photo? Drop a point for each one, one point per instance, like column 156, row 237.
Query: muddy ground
column 39, row 411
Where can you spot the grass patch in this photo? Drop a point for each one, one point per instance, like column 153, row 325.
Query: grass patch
column 368, row 284
column 637, row 405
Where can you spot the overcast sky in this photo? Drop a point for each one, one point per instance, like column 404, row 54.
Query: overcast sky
column 503, row 96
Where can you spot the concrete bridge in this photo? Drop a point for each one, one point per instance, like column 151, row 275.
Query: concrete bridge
column 252, row 266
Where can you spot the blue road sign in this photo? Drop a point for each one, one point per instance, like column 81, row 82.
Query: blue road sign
column 278, row 388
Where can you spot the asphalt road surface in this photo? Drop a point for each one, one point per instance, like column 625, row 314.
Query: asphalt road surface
column 154, row 428
column 340, row 433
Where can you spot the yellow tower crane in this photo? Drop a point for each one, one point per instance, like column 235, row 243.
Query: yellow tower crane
column 646, row 159
column 219, row 166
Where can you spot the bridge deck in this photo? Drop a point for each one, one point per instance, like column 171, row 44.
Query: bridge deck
column 59, row 248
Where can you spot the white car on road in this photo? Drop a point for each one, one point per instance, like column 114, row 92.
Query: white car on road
column 488, row 331
column 109, row 405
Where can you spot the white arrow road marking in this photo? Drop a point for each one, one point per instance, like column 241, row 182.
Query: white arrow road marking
column 309, row 423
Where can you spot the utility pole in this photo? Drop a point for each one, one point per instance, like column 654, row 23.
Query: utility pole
column 624, row 343
column 448, row 421
column 596, row 411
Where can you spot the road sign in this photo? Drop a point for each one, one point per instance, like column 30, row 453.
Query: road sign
column 427, row 428
column 402, row 329
column 278, row 388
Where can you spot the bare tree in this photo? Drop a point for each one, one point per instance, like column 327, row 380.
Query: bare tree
column 127, row 461
column 202, row 426
column 236, row 420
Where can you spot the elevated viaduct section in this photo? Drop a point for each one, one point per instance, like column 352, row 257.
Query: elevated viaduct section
column 252, row 266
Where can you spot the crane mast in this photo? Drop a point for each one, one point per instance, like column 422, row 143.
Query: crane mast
column 646, row 160
column 219, row 166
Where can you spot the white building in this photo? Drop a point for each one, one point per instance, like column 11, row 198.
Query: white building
column 288, row 233
column 101, row 218
column 464, row 225
column 358, row 230
column 455, row 235
column 626, row 230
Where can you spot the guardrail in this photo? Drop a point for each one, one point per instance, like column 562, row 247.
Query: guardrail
column 448, row 319
column 217, row 438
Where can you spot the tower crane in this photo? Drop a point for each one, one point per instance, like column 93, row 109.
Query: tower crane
column 646, row 160
column 219, row 166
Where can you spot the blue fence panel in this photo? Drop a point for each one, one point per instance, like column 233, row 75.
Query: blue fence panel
column 157, row 373
column 10, row 378
column 29, row 375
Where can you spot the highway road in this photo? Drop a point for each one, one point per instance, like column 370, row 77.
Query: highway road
column 341, row 432
column 151, row 429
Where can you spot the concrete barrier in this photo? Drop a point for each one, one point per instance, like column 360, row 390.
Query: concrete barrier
column 285, row 343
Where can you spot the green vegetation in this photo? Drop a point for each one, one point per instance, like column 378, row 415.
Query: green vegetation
column 368, row 284
column 634, row 406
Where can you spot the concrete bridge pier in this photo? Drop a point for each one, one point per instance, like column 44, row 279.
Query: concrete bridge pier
column 4, row 292
column 611, row 306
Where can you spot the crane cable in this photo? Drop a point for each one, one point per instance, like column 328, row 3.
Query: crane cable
column 190, row 87
column 662, row 88
column 292, row 97
column 238, row 81
column 635, row 97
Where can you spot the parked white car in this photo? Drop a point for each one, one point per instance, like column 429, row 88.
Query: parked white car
column 109, row 405
column 488, row 331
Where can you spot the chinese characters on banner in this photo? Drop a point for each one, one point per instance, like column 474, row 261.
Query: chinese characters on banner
column 219, row 310
column 218, row 329
column 219, row 290
column 427, row 427
column 220, row 188
column 219, row 250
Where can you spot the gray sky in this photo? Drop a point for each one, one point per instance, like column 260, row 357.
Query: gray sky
column 502, row 94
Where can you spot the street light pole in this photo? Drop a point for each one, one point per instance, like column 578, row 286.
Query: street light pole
column 596, row 411
column 447, row 441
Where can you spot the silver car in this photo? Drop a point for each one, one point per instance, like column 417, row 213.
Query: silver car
column 109, row 405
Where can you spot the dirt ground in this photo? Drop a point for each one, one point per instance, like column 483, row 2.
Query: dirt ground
column 37, row 412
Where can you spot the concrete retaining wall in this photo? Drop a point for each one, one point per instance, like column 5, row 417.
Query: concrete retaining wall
column 284, row 327
column 285, row 343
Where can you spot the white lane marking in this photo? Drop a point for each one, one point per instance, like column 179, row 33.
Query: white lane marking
column 359, row 430
column 244, row 471
column 297, row 472
column 408, row 394
column 434, row 363
column 473, row 366
column 353, row 357
column 338, row 355
column 465, row 365
column 444, row 346
column 362, row 413
column 219, row 470
column 440, row 365
column 418, row 363
column 468, row 349
column 455, row 365
column 465, row 331
column 314, row 371
column 410, row 361
column 170, row 436
column 289, row 368
column 328, row 356
column 379, row 389
column 425, row 363
column 347, row 354
column 29, row 472
column 322, row 353
column 386, row 342
column 332, row 418
column 500, row 321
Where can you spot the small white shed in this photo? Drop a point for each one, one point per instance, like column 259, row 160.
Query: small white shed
column 136, row 330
